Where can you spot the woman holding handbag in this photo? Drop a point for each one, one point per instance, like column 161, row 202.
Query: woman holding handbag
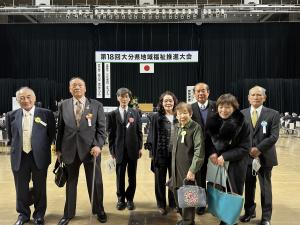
column 229, row 141
column 161, row 132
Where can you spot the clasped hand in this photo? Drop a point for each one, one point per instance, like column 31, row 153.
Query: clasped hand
column 95, row 151
column 218, row 161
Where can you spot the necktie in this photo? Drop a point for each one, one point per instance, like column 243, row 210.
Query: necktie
column 124, row 116
column 202, row 107
column 254, row 118
column 78, row 113
column 26, row 133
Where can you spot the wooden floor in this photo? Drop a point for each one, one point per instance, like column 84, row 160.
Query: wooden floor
column 286, row 182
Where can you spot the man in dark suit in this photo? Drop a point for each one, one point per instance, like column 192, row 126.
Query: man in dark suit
column 80, row 137
column 265, row 132
column 125, row 144
column 202, row 109
column 31, row 131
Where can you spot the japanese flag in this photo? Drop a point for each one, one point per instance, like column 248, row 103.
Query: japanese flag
column 146, row 67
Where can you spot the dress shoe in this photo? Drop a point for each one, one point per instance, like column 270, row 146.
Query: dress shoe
column 162, row 211
column 130, row 205
column 64, row 221
column 21, row 221
column 247, row 217
column 121, row 205
column 200, row 210
column 265, row 222
column 39, row 221
column 102, row 217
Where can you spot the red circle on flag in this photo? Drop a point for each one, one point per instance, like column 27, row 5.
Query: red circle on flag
column 146, row 67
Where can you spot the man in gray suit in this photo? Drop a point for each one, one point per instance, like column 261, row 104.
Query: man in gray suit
column 202, row 109
column 265, row 132
column 80, row 137
column 31, row 131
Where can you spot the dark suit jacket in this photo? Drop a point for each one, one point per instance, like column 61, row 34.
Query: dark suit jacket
column 71, row 138
column 41, row 139
column 120, row 137
column 265, row 142
column 197, row 116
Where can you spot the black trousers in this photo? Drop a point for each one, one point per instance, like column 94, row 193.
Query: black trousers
column 264, row 176
column 160, row 174
column 131, row 166
column 201, row 175
column 28, row 170
column 71, row 187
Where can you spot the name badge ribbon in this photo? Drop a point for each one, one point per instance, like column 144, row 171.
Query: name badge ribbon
column 130, row 120
column 264, row 126
column 38, row 120
column 89, row 117
column 183, row 133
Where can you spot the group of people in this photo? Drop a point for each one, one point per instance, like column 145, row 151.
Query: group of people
column 183, row 140
column 188, row 140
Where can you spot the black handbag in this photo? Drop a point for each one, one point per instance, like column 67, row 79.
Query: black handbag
column 61, row 174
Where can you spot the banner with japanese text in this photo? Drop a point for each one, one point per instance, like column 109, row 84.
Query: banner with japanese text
column 99, row 82
column 147, row 56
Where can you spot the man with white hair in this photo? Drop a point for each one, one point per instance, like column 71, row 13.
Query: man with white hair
column 31, row 131
column 262, row 156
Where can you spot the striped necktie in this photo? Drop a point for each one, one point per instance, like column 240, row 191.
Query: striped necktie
column 78, row 112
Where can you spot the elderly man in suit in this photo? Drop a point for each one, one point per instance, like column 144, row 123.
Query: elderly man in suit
column 264, row 133
column 203, row 109
column 80, row 137
column 125, row 145
column 31, row 131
